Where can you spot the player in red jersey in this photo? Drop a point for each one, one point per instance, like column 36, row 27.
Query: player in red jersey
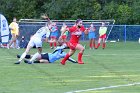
column 73, row 44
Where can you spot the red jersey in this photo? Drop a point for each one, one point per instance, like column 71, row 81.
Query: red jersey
column 76, row 33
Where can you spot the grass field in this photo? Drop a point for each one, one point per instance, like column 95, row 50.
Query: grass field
column 115, row 69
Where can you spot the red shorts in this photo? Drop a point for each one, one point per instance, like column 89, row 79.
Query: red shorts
column 64, row 37
column 54, row 37
column 72, row 45
column 103, row 36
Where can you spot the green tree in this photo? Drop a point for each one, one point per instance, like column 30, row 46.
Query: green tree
column 18, row 8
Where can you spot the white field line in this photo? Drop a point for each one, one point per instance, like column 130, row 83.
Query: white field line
column 103, row 88
column 113, row 54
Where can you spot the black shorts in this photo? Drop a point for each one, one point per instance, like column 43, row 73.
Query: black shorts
column 45, row 56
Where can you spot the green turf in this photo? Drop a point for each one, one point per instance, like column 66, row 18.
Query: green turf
column 118, row 64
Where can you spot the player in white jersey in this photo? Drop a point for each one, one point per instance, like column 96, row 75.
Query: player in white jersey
column 36, row 40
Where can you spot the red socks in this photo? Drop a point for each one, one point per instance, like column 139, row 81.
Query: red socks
column 98, row 45
column 65, row 59
column 51, row 44
column 55, row 44
column 90, row 45
column 104, row 45
column 80, row 58
column 94, row 45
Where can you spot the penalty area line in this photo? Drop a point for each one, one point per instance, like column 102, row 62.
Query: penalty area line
column 103, row 88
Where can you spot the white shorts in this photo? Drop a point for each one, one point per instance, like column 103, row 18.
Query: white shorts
column 35, row 41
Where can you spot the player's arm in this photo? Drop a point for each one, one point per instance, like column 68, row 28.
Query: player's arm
column 45, row 16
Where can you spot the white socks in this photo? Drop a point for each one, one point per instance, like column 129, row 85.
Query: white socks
column 22, row 56
column 35, row 56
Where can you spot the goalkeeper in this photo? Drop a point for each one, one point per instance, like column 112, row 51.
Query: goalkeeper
column 102, row 35
column 57, row 54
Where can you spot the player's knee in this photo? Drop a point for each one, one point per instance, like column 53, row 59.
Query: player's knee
column 82, row 50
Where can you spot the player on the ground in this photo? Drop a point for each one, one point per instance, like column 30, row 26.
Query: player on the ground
column 57, row 54
column 36, row 40
column 102, row 35
column 73, row 44
column 91, row 36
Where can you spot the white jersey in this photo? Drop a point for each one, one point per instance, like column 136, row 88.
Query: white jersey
column 43, row 32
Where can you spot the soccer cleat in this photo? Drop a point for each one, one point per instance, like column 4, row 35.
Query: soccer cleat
column 51, row 47
column 17, row 62
column 62, row 63
column 18, row 56
column 26, row 61
column 29, row 62
column 80, row 62
column 95, row 47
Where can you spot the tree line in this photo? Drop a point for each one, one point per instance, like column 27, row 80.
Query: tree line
column 123, row 11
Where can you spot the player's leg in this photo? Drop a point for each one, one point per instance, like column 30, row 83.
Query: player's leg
column 34, row 57
column 55, row 44
column 29, row 46
column 51, row 43
column 94, row 45
column 38, row 44
column 27, row 56
column 99, row 41
column 43, row 61
column 71, row 52
column 12, row 40
column 15, row 41
column 90, row 43
column 81, row 48
column 24, row 54
column 72, row 60
column 90, row 40
column 104, row 44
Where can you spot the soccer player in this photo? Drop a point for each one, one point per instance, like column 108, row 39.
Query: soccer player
column 53, row 35
column 73, row 44
column 57, row 54
column 14, row 32
column 102, row 35
column 36, row 40
column 91, row 35
column 64, row 36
